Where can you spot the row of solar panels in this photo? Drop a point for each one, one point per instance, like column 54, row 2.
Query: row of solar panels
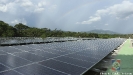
column 12, row 40
column 65, row 58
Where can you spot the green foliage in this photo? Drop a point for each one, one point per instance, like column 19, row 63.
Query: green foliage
column 43, row 36
column 6, row 30
column 21, row 26
column 21, row 30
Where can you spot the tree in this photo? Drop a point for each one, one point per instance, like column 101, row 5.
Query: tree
column 6, row 30
column 43, row 36
column 21, row 28
column 10, row 32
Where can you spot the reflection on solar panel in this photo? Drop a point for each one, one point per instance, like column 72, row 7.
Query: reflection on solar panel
column 21, row 40
column 66, row 58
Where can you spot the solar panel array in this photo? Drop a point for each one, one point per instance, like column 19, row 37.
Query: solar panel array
column 17, row 40
column 65, row 58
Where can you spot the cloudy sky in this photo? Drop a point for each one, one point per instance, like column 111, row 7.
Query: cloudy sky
column 70, row 15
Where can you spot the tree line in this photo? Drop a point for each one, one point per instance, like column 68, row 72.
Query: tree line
column 21, row 30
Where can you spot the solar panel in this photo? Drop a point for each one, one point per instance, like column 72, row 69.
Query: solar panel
column 3, row 68
column 30, row 56
column 24, row 40
column 66, row 58
column 74, row 61
column 10, row 50
column 13, row 61
column 44, row 54
column 2, row 53
column 67, row 68
column 35, row 69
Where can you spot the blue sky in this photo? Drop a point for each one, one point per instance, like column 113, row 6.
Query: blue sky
column 70, row 15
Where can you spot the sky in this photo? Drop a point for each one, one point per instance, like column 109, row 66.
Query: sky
column 70, row 15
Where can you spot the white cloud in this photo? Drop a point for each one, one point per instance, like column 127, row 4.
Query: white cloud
column 121, row 11
column 16, row 21
column 53, row 7
column 92, row 19
column 38, row 10
column 3, row 8
column 4, row 1
column 41, row 4
column 24, row 5
column 9, row 7
column 29, row 6
column 106, row 24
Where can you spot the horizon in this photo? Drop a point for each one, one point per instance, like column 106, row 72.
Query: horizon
column 74, row 15
column 78, row 31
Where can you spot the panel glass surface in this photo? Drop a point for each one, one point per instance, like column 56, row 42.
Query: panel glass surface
column 2, row 52
column 30, row 57
column 11, row 72
column 12, row 61
column 36, row 69
column 75, row 61
column 11, row 50
column 64, row 58
column 67, row 68
column 44, row 54
column 3, row 68
column 89, row 59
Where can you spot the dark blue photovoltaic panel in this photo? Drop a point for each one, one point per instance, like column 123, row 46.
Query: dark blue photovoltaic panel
column 75, row 61
column 88, row 54
column 36, row 69
column 29, row 56
column 44, row 54
column 11, row 72
column 55, row 51
column 11, row 50
column 12, row 61
column 24, row 48
column 2, row 52
column 89, row 59
column 36, row 46
column 3, row 48
column 67, row 68
column 3, row 68
column 65, row 58
column 61, row 49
